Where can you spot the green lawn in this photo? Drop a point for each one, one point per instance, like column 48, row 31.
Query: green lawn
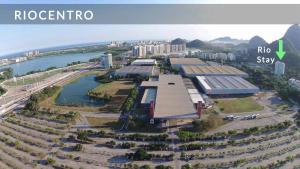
column 121, row 88
column 238, row 105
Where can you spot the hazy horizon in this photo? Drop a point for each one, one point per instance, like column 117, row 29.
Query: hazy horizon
column 19, row 38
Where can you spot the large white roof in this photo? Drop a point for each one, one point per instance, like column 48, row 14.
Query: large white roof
column 226, row 85
column 144, row 61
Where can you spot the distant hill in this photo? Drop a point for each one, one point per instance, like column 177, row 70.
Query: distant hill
column 228, row 40
column 292, row 35
column 178, row 41
column 291, row 43
column 195, row 44
column 256, row 41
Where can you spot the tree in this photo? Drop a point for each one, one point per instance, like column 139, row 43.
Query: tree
column 32, row 105
column 111, row 143
column 183, row 155
column 50, row 161
column 78, row 147
column 146, row 166
column 186, row 166
column 83, row 136
column 141, row 154
column 232, row 132
column 2, row 90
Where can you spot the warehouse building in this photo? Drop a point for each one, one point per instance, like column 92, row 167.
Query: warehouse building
column 177, row 63
column 131, row 71
column 144, row 62
column 193, row 71
column 195, row 96
column 168, row 98
column 149, row 96
column 226, row 85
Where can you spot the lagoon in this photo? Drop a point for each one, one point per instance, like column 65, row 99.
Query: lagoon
column 42, row 63
column 75, row 93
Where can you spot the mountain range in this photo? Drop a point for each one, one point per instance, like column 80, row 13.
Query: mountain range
column 291, row 43
column 256, row 41
column 228, row 40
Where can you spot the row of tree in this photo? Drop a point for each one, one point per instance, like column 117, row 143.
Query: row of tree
column 186, row 136
column 127, row 137
column 143, row 155
column 131, row 99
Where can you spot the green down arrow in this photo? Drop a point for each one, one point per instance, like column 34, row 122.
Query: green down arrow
column 280, row 52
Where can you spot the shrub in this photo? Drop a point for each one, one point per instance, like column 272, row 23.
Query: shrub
column 78, row 147
column 50, row 161
column 146, row 166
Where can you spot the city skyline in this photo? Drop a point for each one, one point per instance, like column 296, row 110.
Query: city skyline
column 44, row 36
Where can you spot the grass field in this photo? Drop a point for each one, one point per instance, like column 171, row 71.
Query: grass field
column 106, row 123
column 238, row 105
column 115, row 88
column 118, row 90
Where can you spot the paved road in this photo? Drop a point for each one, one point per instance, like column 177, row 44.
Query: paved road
column 17, row 96
column 172, row 135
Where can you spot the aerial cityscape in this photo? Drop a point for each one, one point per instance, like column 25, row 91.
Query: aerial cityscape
column 153, row 104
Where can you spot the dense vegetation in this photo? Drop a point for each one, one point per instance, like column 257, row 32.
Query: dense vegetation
column 211, row 122
column 34, row 100
column 83, row 136
column 104, row 78
column 78, row 147
column 143, row 155
column 53, row 115
column 74, row 63
column 131, row 99
column 7, row 73
column 186, row 136
column 2, row 90
column 94, row 60
column 68, row 117
column 126, row 137
column 38, row 71
column 265, row 79
column 156, row 147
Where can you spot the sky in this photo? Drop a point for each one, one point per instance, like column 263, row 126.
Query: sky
column 18, row 38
